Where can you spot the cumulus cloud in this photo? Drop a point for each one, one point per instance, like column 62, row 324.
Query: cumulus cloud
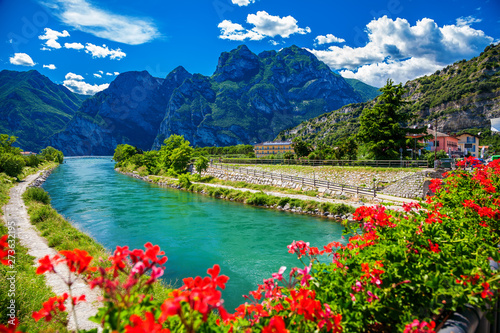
column 264, row 25
column 109, row 74
column 75, row 46
column 97, row 75
column 116, row 73
column 21, row 59
column 75, row 83
column 328, row 39
column 395, row 45
column 50, row 66
column 242, row 2
column 51, row 37
column 235, row 31
column 85, row 16
column 103, row 51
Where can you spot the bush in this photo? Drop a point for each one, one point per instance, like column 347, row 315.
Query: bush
column 37, row 194
column 42, row 214
column 32, row 161
column 184, row 180
column 12, row 164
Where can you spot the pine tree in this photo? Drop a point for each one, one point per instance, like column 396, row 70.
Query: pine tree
column 382, row 128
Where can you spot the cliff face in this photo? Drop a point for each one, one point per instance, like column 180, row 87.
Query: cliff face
column 32, row 107
column 461, row 96
column 249, row 98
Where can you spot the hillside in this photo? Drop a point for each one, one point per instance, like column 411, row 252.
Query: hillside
column 461, row 96
column 366, row 91
column 249, row 98
column 32, row 107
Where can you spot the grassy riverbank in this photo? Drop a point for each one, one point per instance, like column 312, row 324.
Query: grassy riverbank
column 251, row 198
column 30, row 288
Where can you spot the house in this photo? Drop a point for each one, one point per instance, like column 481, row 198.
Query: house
column 272, row 148
column 469, row 143
column 27, row 153
column 445, row 142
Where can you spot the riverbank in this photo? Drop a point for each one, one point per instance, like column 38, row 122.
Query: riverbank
column 318, row 206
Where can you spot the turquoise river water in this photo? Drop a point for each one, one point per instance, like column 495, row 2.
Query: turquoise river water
column 195, row 231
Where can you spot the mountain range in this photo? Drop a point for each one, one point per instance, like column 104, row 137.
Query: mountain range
column 463, row 95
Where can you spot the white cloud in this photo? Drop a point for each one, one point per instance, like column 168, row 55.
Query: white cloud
column 264, row 25
column 75, row 46
column 86, row 17
column 97, row 75
column 393, row 43
column 242, row 2
column 21, row 59
column 75, row 83
column 51, row 37
column 50, row 66
column 235, row 31
column 101, row 72
column 116, row 73
column 269, row 25
column 109, row 74
column 328, row 39
column 468, row 20
column 73, row 76
column 103, row 51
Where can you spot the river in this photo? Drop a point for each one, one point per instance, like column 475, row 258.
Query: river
column 195, row 231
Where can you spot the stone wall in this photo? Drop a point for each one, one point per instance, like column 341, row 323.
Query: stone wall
column 411, row 186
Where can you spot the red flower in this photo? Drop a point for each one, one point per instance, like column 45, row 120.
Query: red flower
column 50, row 308
column 147, row 325
column 77, row 260
column 276, row 325
column 47, row 264
column 4, row 250
column 408, row 206
column 486, row 290
column 217, row 280
column 10, row 328
column 435, row 185
column 434, row 247
column 420, row 327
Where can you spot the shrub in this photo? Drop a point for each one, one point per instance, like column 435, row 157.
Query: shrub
column 184, row 181
column 42, row 214
column 37, row 194
column 12, row 164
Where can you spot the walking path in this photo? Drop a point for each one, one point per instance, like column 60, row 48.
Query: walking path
column 15, row 211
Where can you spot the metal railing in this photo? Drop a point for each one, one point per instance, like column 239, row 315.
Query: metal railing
column 358, row 163
column 316, row 183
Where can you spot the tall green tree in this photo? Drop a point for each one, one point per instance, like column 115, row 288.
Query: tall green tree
column 175, row 153
column 382, row 128
column 301, row 148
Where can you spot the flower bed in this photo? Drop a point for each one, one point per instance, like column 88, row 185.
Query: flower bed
column 398, row 271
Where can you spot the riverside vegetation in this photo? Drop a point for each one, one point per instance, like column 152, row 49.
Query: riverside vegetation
column 399, row 271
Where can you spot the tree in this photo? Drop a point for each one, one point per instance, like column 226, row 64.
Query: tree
column 201, row 164
column 123, row 152
column 381, row 127
column 52, row 154
column 175, row 153
column 301, row 148
column 6, row 143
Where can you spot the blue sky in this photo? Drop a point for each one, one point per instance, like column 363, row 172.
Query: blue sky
column 84, row 44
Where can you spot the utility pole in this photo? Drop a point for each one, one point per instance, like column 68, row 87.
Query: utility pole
column 435, row 138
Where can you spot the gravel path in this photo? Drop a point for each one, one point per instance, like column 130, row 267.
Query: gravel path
column 15, row 211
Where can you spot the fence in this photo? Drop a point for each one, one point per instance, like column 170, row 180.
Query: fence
column 364, row 163
column 301, row 181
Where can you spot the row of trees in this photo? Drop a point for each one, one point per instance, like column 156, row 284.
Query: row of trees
column 173, row 157
column 12, row 162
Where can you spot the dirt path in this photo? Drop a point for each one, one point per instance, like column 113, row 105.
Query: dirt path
column 15, row 211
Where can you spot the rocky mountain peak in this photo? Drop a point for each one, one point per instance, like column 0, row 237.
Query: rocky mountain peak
column 238, row 65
